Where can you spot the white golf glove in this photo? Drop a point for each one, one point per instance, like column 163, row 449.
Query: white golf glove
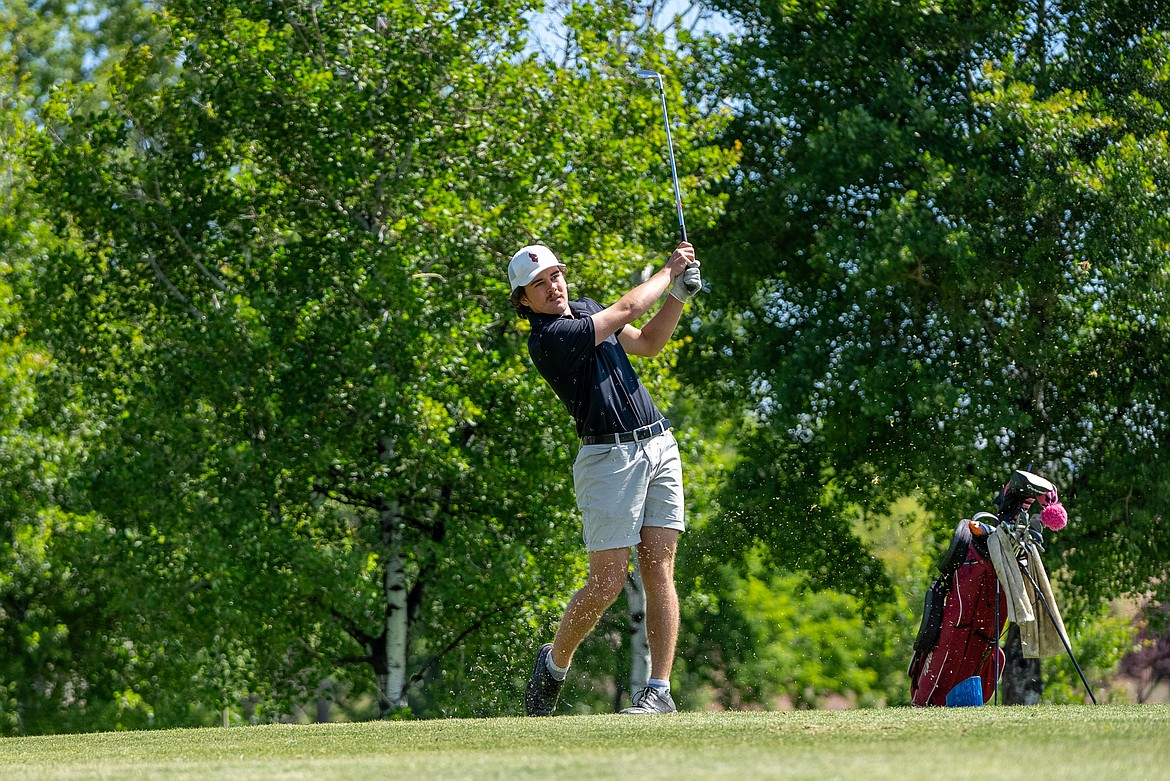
column 687, row 283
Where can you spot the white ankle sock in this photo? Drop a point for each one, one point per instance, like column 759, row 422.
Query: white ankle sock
column 658, row 683
column 557, row 672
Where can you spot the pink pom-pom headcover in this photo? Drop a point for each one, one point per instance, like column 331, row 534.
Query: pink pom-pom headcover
column 1053, row 515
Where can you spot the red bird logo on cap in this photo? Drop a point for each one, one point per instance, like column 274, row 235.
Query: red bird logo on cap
column 535, row 259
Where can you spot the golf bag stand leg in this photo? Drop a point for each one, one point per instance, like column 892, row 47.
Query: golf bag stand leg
column 998, row 630
column 1063, row 638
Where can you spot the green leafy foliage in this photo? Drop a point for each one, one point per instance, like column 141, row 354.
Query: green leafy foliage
column 280, row 282
column 50, row 42
column 1099, row 640
column 48, row 601
column 946, row 258
column 255, row 340
column 756, row 636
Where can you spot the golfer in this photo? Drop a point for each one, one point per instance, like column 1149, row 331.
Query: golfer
column 628, row 474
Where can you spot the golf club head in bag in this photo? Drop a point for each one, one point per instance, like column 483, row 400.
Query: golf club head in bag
column 1020, row 490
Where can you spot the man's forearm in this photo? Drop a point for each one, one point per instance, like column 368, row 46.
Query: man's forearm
column 657, row 332
column 641, row 299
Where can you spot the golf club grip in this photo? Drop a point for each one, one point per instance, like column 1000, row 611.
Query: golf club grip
column 691, row 287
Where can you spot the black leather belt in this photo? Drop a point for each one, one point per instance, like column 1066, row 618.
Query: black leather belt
column 637, row 435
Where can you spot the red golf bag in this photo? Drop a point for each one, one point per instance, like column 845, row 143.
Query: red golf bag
column 965, row 610
column 960, row 623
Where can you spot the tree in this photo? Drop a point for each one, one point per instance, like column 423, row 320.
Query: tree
column 52, row 42
column 945, row 257
column 44, row 427
column 285, row 283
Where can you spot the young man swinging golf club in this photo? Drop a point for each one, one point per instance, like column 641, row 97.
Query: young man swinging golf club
column 628, row 474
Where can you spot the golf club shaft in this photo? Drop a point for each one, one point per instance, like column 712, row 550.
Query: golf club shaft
column 682, row 226
column 649, row 74
column 693, row 286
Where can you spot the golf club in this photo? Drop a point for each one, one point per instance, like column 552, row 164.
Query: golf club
column 1063, row 637
column 649, row 74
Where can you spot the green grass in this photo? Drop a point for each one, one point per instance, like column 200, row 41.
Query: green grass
column 1105, row 743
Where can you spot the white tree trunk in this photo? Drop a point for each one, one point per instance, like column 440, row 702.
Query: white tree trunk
column 392, row 685
column 639, row 638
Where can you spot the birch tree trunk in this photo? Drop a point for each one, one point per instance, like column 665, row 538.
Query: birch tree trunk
column 639, row 638
column 392, row 674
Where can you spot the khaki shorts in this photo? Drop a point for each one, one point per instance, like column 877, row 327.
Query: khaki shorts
column 621, row 488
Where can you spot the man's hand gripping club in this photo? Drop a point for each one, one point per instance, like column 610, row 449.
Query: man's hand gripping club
column 689, row 281
column 649, row 339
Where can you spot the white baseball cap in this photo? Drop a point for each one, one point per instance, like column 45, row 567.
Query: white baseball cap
column 529, row 262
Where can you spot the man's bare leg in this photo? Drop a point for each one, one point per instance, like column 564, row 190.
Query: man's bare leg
column 607, row 577
column 656, row 561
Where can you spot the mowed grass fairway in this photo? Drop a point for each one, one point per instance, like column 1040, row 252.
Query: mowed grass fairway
column 1104, row 743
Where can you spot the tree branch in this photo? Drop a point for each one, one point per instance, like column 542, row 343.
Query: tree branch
column 455, row 642
column 162, row 277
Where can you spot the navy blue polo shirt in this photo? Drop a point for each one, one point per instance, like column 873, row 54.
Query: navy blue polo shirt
column 596, row 382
